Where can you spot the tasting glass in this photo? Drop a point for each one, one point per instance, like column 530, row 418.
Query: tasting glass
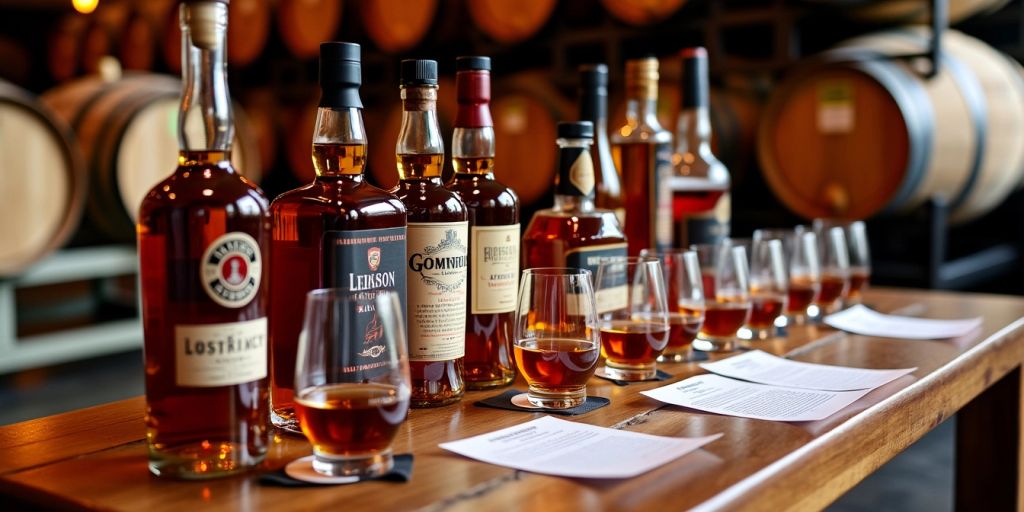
column 769, row 286
column 685, row 301
column 352, row 380
column 835, row 269
column 859, row 254
column 727, row 307
column 633, row 311
column 801, row 252
column 556, row 335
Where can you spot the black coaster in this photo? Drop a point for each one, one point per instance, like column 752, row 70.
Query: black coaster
column 698, row 356
column 504, row 401
column 601, row 373
column 401, row 472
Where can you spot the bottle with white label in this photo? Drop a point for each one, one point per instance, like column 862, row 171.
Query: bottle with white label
column 203, row 236
column 493, row 231
column 437, row 253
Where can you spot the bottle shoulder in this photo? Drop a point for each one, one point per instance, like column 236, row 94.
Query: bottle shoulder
column 483, row 193
column 356, row 196
column 430, row 201
column 206, row 187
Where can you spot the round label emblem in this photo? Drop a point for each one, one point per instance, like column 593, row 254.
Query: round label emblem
column 231, row 269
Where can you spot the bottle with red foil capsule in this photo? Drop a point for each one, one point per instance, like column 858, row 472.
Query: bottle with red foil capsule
column 204, row 235
column 493, row 231
column 594, row 108
column 437, row 251
column 642, row 151
column 700, row 182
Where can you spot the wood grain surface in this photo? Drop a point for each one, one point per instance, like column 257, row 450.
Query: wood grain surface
column 96, row 458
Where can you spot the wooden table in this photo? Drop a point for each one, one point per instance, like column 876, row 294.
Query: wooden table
column 96, row 457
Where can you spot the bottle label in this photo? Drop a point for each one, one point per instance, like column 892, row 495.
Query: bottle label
column 214, row 355
column 366, row 262
column 610, row 297
column 437, row 276
column 495, row 270
column 662, row 195
column 576, row 172
column 231, row 269
column 709, row 226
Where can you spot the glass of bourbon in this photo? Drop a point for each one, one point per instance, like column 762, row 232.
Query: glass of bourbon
column 858, row 253
column 835, row 269
column 800, row 250
column 685, row 302
column 352, row 384
column 727, row 305
column 556, row 335
column 769, row 286
column 633, row 307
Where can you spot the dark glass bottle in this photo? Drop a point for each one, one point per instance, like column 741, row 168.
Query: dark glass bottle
column 594, row 108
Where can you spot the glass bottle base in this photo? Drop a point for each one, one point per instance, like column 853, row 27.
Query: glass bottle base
column 203, row 461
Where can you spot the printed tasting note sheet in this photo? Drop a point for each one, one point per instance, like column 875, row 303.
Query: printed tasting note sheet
column 764, row 368
column 866, row 321
column 565, row 448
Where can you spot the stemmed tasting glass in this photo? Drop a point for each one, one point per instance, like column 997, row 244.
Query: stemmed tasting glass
column 835, row 270
column 728, row 310
column 769, row 286
column 801, row 252
column 556, row 335
column 633, row 311
column 352, row 380
column 859, row 254
column 685, row 301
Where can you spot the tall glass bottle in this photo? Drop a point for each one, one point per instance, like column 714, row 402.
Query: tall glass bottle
column 642, row 151
column 574, row 233
column 203, row 236
column 700, row 182
column 594, row 108
column 338, row 231
column 493, row 231
column 437, row 252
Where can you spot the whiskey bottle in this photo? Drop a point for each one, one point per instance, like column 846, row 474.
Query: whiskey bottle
column 336, row 232
column 700, row 183
column 642, row 151
column 574, row 233
column 493, row 231
column 437, row 252
column 594, row 108
column 203, row 236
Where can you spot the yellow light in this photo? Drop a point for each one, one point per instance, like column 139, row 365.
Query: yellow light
column 85, row 6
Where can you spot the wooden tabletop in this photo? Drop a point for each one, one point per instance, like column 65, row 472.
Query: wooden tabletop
column 96, row 457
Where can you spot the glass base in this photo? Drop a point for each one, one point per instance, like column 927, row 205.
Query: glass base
column 717, row 345
column 202, row 461
column 759, row 333
column 364, row 467
column 681, row 356
column 557, row 399
column 631, row 372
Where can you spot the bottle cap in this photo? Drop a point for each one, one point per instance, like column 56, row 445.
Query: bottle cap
column 594, row 76
column 576, row 130
column 474, row 63
column 340, row 75
column 694, row 83
column 419, row 72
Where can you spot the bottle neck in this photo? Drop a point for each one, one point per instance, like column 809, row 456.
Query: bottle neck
column 339, row 142
column 642, row 112
column 576, row 183
column 420, row 148
column 473, row 150
column 205, row 124
column 693, row 131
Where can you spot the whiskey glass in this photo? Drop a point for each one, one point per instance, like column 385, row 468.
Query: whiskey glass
column 835, row 270
column 634, row 316
column 858, row 252
column 801, row 252
column 726, row 309
column 769, row 285
column 685, row 301
column 352, row 380
column 556, row 335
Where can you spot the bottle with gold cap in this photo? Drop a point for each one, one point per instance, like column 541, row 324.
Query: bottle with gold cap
column 642, row 151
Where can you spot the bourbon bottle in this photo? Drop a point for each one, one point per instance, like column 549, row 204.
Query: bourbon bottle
column 594, row 108
column 203, row 236
column 700, row 183
column 336, row 232
column 493, row 231
column 574, row 233
column 437, row 252
column 642, row 151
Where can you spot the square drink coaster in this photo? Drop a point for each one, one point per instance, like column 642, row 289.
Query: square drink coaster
column 300, row 473
column 602, row 372
column 515, row 400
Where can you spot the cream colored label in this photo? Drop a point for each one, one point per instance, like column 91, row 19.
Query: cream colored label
column 437, row 279
column 213, row 355
column 495, row 269
column 581, row 174
column 835, row 113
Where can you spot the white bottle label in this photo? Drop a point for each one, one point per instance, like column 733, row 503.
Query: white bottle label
column 437, row 270
column 231, row 269
column 495, row 269
column 214, row 355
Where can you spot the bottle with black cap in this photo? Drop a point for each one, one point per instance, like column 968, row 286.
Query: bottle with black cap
column 338, row 231
column 493, row 231
column 203, row 237
column 700, row 183
column 438, row 245
column 574, row 233
column 594, row 108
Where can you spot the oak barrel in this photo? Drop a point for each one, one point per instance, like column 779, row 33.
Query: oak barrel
column 127, row 130
column 510, row 22
column 42, row 180
column 854, row 134
column 915, row 11
column 642, row 12
column 395, row 25
column 304, row 24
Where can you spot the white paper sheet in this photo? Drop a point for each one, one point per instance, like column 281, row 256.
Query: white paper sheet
column 861, row 320
column 565, row 448
column 764, row 368
column 721, row 395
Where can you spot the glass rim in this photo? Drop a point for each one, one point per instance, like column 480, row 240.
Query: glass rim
column 556, row 271
column 343, row 293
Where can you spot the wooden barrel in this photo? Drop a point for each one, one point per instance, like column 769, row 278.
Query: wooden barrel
column 137, row 42
column 510, row 22
column 913, row 11
column 64, row 47
column 642, row 12
column 127, row 130
column 304, row 24
column 855, row 134
column 44, row 180
column 396, row 26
